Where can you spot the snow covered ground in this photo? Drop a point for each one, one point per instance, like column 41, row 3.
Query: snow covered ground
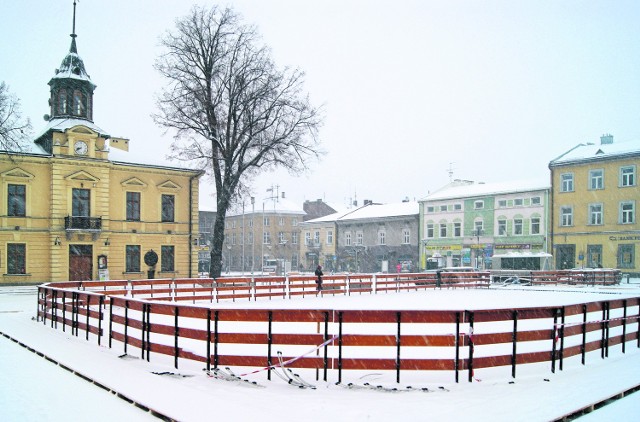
column 33, row 388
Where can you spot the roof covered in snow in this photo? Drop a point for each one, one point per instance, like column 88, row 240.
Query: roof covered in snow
column 371, row 211
column 596, row 152
column 484, row 189
column 61, row 124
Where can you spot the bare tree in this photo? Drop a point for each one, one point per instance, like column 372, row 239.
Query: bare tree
column 14, row 131
column 234, row 113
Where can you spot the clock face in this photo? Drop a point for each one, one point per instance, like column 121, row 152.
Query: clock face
column 80, row 148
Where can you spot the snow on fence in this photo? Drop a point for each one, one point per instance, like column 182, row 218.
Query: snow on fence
column 331, row 340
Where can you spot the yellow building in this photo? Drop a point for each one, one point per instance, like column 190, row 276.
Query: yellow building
column 595, row 195
column 74, row 209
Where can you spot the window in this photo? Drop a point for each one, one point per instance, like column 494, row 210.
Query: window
column 626, row 256
column 566, row 180
column 430, row 209
column 79, row 108
column 595, row 214
column 517, row 226
column 535, row 225
column 566, row 216
column 307, row 238
column 478, row 205
column 359, row 238
column 62, row 101
column 329, row 237
column 132, row 257
column 281, row 238
column 627, row 212
column 16, row 204
column 168, row 208
column 502, row 203
column 250, row 238
column 294, row 237
column 518, row 202
column 265, row 221
column 443, row 208
column 457, row 207
column 133, row 206
column 167, row 256
column 457, row 229
column 535, row 200
column 627, row 176
column 406, row 236
column 294, row 221
column 381, row 237
column 430, row 230
column 478, row 227
column 347, row 238
column 316, row 238
column 502, row 227
column 443, row 230
column 251, row 223
column 16, row 258
column 596, row 179
column 233, row 224
column 80, row 203
column 266, row 238
column 281, row 221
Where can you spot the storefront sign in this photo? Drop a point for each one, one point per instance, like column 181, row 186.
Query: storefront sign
column 623, row 238
column 519, row 246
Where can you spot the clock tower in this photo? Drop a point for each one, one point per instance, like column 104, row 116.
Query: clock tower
column 71, row 86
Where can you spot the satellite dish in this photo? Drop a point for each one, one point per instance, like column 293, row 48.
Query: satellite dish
column 46, row 117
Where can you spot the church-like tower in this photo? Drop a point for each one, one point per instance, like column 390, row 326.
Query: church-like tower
column 71, row 87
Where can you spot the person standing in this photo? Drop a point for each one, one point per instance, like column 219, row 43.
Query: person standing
column 319, row 275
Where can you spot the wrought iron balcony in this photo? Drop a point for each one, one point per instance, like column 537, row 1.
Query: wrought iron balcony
column 90, row 224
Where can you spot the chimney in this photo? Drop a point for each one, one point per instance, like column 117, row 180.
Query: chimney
column 282, row 195
column 368, row 202
column 606, row 139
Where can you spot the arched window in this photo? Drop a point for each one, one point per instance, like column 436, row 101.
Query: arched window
column 62, row 101
column 79, row 107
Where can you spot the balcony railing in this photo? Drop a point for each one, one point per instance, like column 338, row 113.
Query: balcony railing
column 83, row 223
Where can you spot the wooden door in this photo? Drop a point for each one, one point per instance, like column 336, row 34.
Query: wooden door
column 80, row 262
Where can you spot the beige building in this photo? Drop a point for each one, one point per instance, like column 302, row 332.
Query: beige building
column 595, row 198
column 73, row 208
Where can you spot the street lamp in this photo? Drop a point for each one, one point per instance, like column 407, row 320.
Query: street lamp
column 243, row 237
column 253, row 237
column 477, row 232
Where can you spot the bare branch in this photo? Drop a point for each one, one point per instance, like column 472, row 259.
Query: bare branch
column 231, row 109
column 14, row 131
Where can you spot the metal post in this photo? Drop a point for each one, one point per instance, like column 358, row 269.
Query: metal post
column 243, row 237
column 253, row 235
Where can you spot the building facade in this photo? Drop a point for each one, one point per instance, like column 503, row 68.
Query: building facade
column 378, row 238
column 256, row 236
column 595, row 198
column 464, row 224
column 74, row 209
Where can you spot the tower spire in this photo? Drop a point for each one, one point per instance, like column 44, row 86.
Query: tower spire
column 73, row 48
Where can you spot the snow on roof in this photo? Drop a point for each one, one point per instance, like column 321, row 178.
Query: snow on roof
column 382, row 211
column 589, row 152
column 60, row 124
column 484, row 189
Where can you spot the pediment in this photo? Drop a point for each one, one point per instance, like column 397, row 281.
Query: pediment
column 134, row 182
column 17, row 173
column 169, row 185
column 82, row 129
column 82, row 176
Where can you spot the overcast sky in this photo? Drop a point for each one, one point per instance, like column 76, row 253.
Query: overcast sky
column 496, row 88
